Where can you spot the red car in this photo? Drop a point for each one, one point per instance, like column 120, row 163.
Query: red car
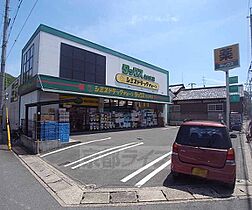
column 204, row 149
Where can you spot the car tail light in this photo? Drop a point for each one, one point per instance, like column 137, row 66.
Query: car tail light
column 175, row 149
column 230, row 156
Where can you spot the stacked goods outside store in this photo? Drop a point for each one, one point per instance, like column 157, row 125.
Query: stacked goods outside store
column 64, row 132
column 64, row 126
column 106, row 121
column 122, row 120
column 44, row 127
column 119, row 119
column 135, row 115
column 63, row 115
column 127, row 121
column 94, row 121
column 55, row 125
column 50, row 129
column 149, row 118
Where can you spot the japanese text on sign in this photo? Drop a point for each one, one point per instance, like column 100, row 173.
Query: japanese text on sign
column 226, row 58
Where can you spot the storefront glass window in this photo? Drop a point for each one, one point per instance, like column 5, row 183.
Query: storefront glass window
column 82, row 65
column 27, row 67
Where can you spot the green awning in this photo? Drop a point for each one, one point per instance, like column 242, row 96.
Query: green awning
column 67, row 86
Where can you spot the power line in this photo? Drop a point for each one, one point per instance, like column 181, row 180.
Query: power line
column 14, row 19
column 204, row 81
column 22, row 28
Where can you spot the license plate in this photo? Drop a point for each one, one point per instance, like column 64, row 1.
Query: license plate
column 199, row 172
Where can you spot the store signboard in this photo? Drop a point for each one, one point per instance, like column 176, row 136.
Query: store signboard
column 235, row 98
column 226, row 58
column 233, row 80
column 86, row 101
column 233, row 89
column 30, row 86
column 14, row 91
column 136, row 72
column 136, row 77
column 122, row 78
column 66, row 86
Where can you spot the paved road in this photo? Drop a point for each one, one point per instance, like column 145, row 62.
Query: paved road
column 18, row 188
column 126, row 159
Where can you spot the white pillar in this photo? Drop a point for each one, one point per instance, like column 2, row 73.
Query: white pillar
column 165, row 114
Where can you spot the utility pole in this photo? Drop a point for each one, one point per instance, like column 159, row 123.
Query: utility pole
column 3, row 56
column 227, row 100
column 204, row 81
column 249, row 75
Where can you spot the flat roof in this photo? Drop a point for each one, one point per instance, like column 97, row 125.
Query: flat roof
column 64, row 35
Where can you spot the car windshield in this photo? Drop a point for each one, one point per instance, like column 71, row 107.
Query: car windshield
column 202, row 136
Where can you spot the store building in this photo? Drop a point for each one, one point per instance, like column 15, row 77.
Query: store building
column 117, row 91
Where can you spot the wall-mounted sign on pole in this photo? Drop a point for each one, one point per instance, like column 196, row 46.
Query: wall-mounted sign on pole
column 233, row 80
column 233, row 88
column 227, row 58
column 235, row 98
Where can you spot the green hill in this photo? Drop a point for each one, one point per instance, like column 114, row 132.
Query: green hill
column 8, row 79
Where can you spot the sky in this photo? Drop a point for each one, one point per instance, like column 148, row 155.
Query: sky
column 176, row 35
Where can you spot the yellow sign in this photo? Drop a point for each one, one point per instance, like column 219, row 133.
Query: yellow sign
column 125, row 79
column 87, row 101
column 226, row 58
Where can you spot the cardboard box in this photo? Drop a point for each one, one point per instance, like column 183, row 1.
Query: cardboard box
column 47, row 117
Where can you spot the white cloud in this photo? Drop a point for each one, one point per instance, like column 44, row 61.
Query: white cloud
column 136, row 19
column 215, row 81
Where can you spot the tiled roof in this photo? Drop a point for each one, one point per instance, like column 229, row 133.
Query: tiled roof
column 204, row 93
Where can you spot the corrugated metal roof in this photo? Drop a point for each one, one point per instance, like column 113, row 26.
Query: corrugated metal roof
column 204, row 93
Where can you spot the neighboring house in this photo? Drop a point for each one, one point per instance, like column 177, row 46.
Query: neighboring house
column 208, row 103
column 173, row 91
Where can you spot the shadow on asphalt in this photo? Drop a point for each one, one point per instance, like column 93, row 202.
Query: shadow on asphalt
column 198, row 186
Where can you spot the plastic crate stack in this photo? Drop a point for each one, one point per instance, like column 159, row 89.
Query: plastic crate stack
column 49, row 131
column 64, row 131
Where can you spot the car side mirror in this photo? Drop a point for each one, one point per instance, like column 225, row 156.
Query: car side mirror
column 233, row 136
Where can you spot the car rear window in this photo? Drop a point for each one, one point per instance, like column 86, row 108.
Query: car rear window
column 203, row 136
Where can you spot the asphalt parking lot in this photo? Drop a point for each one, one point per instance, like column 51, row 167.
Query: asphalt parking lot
column 136, row 158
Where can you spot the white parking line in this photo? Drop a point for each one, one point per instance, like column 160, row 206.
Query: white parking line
column 75, row 145
column 97, row 153
column 165, row 128
column 153, row 173
column 127, row 178
column 104, row 155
